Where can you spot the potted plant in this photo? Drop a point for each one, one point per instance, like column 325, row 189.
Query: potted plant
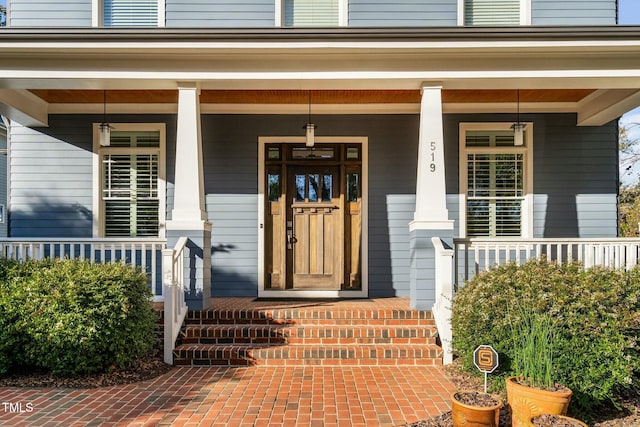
column 532, row 391
column 472, row 408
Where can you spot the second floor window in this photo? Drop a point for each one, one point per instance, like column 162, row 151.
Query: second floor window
column 492, row 12
column 130, row 13
column 311, row 13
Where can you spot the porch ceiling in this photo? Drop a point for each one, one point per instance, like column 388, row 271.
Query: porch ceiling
column 53, row 96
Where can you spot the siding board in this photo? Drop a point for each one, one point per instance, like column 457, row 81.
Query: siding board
column 220, row 13
column 573, row 12
column 49, row 13
column 402, row 13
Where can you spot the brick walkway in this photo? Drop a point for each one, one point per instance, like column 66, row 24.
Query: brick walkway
column 259, row 395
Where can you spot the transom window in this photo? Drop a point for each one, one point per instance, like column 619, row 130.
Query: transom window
column 495, row 12
column 132, row 183
column 494, row 180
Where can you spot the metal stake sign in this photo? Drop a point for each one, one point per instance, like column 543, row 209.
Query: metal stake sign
column 486, row 360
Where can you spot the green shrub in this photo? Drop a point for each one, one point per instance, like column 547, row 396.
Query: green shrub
column 72, row 317
column 596, row 322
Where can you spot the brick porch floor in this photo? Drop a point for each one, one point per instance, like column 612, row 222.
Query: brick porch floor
column 247, row 396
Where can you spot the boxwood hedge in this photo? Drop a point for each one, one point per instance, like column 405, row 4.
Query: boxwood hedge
column 73, row 317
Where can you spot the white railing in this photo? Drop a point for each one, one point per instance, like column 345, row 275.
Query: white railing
column 444, row 294
column 476, row 255
column 175, row 307
column 140, row 252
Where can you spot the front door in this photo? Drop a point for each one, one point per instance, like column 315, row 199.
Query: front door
column 313, row 217
column 314, row 227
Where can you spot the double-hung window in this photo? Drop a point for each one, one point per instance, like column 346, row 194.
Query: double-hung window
column 131, row 183
column 312, row 13
column 132, row 13
column 495, row 180
column 494, row 12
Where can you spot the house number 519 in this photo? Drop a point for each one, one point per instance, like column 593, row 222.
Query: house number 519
column 432, row 162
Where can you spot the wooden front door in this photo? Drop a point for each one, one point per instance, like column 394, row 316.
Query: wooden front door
column 313, row 231
column 314, row 228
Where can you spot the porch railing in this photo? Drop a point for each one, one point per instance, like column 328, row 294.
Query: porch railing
column 141, row 252
column 473, row 256
column 175, row 307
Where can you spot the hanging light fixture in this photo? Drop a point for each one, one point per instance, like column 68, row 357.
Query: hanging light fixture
column 518, row 128
column 105, row 127
column 310, row 128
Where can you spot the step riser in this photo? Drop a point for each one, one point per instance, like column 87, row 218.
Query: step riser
column 307, row 336
column 298, row 337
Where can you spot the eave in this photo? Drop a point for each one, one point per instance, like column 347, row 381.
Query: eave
column 603, row 61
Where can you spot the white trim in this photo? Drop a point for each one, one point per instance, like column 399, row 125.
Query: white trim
column 602, row 106
column 278, row 18
column 364, row 292
column 98, row 208
column 97, row 13
column 343, row 13
column 24, row 107
column 527, row 150
column 161, row 13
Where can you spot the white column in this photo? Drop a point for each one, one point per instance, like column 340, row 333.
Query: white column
column 188, row 206
column 431, row 198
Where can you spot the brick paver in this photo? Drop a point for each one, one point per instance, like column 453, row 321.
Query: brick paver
column 245, row 396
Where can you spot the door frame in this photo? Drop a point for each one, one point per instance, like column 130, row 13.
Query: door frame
column 308, row 293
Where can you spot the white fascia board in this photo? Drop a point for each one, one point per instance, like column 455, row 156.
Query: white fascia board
column 603, row 106
column 24, row 107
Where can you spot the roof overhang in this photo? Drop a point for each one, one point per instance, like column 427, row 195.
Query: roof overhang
column 603, row 60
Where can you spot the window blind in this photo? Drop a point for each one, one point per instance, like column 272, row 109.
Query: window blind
column 130, row 185
column 311, row 13
column 491, row 12
column 130, row 13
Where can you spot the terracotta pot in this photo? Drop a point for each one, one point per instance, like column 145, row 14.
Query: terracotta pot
column 474, row 416
column 563, row 417
column 528, row 402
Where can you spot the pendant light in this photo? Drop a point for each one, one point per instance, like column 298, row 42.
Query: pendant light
column 310, row 128
column 105, row 127
column 518, row 128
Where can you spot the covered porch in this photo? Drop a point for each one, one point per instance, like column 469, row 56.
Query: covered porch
column 401, row 97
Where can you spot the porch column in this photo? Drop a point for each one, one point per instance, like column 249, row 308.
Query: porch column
column 431, row 217
column 189, row 216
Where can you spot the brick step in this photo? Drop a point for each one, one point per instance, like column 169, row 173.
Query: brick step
column 334, row 355
column 315, row 316
column 307, row 334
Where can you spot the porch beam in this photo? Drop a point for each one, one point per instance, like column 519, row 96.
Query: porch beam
column 603, row 106
column 24, row 107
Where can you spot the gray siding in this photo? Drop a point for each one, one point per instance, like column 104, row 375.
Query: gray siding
column 575, row 172
column 575, row 178
column 230, row 152
column 402, row 13
column 220, row 13
column 49, row 13
column 573, row 12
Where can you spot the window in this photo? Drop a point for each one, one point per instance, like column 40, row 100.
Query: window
column 131, row 13
column 495, row 12
column 131, row 182
column 495, row 180
column 312, row 13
